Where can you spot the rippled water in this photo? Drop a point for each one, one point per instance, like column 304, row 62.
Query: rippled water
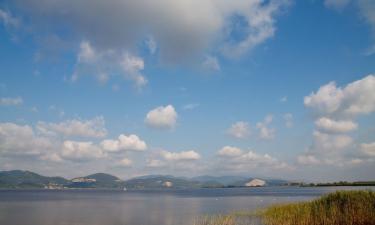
column 169, row 207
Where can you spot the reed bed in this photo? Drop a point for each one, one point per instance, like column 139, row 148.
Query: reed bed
column 338, row 208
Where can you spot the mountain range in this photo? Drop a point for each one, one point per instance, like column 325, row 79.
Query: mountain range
column 16, row 179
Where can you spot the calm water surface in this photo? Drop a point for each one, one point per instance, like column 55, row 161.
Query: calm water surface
column 170, row 207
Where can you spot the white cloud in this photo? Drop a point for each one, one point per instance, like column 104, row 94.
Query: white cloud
column 265, row 132
column 307, row 159
column 6, row 101
column 23, row 143
column 22, row 140
column 87, row 54
column 179, row 34
column 125, row 162
column 52, row 157
column 81, row 151
column 132, row 65
column 229, row 151
column 124, row 143
column 164, row 117
column 211, row 63
column 354, row 99
column 106, row 63
column 180, row 156
column 336, row 109
column 260, row 20
column 335, row 126
column 368, row 149
column 155, row 163
column 326, row 100
column 239, row 129
column 75, row 128
column 330, row 142
column 288, row 118
column 233, row 158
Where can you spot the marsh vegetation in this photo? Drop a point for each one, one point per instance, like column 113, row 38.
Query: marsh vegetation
column 338, row 208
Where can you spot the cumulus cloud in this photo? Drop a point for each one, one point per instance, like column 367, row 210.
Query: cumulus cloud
column 132, row 65
column 121, row 24
column 368, row 149
column 108, row 62
column 124, row 143
column 163, row 117
column 330, row 142
column 239, row 129
column 236, row 159
column 336, row 109
column 155, row 163
column 52, row 157
column 125, row 162
column 307, row 159
column 333, row 126
column 21, row 140
column 81, row 151
column 266, row 132
column 7, row 101
column 229, row 151
column 355, row 99
column 75, row 128
column 180, row 156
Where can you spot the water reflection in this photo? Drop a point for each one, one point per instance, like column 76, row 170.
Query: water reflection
column 138, row 207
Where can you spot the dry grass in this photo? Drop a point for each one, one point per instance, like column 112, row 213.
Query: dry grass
column 339, row 208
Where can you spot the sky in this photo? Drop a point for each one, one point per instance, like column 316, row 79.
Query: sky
column 257, row 88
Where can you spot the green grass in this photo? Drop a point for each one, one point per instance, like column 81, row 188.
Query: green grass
column 339, row 208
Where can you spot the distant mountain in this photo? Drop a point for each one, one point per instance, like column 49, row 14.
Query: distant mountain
column 234, row 181
column 159, row 181
column 27, row 179
column 223, row 180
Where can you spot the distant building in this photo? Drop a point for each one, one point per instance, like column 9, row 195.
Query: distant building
column 167, row 184
column 83, row 180
column 255, row 183
column 53, row 186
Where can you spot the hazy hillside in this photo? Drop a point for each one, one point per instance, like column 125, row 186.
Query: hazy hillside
column 27, row 179
column 155, row 182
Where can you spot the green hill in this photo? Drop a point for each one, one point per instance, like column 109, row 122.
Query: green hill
column 27, row 179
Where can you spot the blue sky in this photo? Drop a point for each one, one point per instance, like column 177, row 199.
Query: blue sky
column 189, row 88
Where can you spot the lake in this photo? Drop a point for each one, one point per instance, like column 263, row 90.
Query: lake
column 151, row 207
